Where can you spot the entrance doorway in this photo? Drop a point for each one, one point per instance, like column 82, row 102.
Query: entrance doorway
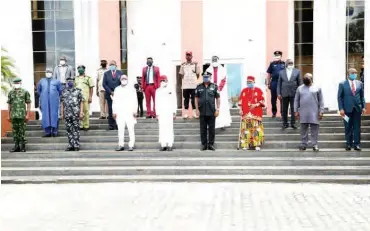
column 178, row 87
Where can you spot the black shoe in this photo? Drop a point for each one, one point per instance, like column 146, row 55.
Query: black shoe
column 111, row 128
column 76, row 149
column 315, row 148
column 348, row 148
column 130, row 149
column 163, row 149
column 294, row 127
column 211, row 147
column 119, row 148
column 169, row 149
column 23, row 148
column 223, row 129
column 284, row 127
column 148, row 117
column 357, row 148
column 203, row 148
column 302, row 148
column 101, row 117
column 47, row 135
column 69, row 149
column 54, row 135
column 16, row 148
column 273, row 116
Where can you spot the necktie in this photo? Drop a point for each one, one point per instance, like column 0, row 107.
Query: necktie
column 147, row 75
column 114, row 74
column 353, row 88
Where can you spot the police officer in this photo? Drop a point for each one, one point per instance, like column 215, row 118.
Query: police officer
column 18, row 115
column 207, row 104
column 71, row 110
column 273, row 76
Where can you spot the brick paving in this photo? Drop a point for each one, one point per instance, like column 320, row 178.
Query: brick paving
column 184, row 206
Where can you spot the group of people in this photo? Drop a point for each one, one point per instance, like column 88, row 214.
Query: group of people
column 67, row 97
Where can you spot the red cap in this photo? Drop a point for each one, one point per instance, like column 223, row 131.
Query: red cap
column 189, row 53
column 162, row 78
column 251, row 78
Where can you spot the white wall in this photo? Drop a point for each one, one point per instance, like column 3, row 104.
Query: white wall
column 329, row 48
column 235, row 30
column 367, row 52
column 86, row 20
column 16, row 25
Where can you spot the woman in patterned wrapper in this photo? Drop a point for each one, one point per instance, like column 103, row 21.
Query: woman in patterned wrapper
column 251, row 103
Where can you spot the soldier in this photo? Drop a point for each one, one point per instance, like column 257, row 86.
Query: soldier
column 273, row 76
column 206, row 94
column 86, row 84
column 72, row 104
column 17, row 100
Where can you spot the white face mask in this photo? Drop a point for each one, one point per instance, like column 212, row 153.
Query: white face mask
column 163, row 84
column 62, row 62
column 17, row 85
column 124, row 82
column 277, row 57
column 215, row 64
column 48, row 75
column 289, row 67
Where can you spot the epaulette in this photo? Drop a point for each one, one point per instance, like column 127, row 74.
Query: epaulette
column 183, row 63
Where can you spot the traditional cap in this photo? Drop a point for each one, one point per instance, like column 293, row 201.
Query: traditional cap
column 49, row 70
column 70, row 78
column 251, row 78
column 189, row 53
column 81, row 66
column 278, row 53
column 17, row 80
column 123, row 77
column 163, row 78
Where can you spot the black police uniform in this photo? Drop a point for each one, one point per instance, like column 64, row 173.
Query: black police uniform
column 274, row 68
column 207, row 107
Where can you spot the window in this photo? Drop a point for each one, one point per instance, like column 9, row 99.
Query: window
column 303, row 35
column 53, row 34
column 355, row 18
column 123, row 29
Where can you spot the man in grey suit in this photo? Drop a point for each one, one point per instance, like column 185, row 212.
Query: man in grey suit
column 63, row 71
column 289, row 80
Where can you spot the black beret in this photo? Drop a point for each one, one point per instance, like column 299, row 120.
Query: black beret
column 278, row 53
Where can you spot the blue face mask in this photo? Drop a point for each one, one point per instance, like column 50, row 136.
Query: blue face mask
column 205, row 79
column 112, row 67
column 250, row 85
column 353, row 76
column 70, row 84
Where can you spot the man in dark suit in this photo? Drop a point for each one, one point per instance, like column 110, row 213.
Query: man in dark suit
column 351, row 103
column 111, row 80
column 289, row 80
column 150, row 83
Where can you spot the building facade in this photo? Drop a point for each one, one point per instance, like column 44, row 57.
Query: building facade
column 323, row 37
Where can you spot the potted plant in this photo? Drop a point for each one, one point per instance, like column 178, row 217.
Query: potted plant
column 235, row 100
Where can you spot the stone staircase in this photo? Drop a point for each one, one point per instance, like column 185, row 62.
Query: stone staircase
column 279, row 160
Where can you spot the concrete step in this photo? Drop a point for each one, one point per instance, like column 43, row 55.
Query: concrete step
column 186, row 170
column 195, row 130
column 179, row 138
column 180, row 145
column 186, row 161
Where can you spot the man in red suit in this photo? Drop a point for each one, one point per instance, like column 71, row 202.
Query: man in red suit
column 149, row 83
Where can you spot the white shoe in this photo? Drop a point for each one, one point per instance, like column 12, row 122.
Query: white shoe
column 258, row 149
column 195, row 114
column 186, row 115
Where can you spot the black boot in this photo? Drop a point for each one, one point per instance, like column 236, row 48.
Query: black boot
column 16, row 148
column 23, row 147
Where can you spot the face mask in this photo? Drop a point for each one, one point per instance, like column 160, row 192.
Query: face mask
column 276, row 58
column 289, row 67
column 306, row 81
column 81, row 71
column 353, row 76
column 215, row 64
column 48, row 75
column 103, row 65
column 163, row 84
column 70, row 84
column 124, row 82
column 62, row 62
column 149, row 63
column 17, row 85
column 250, row 85
column 112, row 67
column 205, row 79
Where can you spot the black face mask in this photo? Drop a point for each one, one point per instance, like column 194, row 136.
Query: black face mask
column 103, row 65
column 306, row 81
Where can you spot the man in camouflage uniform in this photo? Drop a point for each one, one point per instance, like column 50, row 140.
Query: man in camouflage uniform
column 72, row 103
column 86, row 84
column 17, row 100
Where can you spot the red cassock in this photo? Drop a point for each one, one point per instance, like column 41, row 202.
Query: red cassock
column 250, row 96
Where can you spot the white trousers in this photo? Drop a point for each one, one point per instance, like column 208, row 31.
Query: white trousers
column 122, row 123
column 166, row 136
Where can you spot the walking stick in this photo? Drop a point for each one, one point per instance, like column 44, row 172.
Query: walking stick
column 240, row 127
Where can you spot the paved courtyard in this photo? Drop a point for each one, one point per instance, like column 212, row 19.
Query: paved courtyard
column 184, row 206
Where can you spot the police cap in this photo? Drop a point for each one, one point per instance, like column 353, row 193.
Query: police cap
column 17, row 80
column 205, row 67
column 278, row 53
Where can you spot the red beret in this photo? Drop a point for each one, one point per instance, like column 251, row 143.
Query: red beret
column 189, row 53
column 251, row 78
column 162, row 78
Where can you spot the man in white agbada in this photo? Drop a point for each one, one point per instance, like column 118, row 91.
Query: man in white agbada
column 219, row 77
column 124, row 112
column 166, row 107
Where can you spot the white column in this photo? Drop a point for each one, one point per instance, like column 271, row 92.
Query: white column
column 86, row 19
column 329, row 48
column 367, row 52
column 291, row 30
column 17, row 39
